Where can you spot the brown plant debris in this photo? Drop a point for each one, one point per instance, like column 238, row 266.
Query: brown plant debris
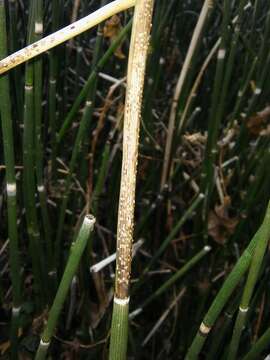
column 220, row 224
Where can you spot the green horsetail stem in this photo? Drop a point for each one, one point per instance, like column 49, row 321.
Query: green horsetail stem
column 155, row 63
column 261, row 345
column 38, row 144
column 180, row 273
column 29, row 181
column 91, row 96
column 78, row 143
column 81, row 141
column 101, row 178
column 135, row 82
column 53, row 67
column 223, row 296
column 16, row 74
column 91, row 79
column 207, row 177
column 220, row 332
column 88, row 92
column 168, row 239
column 76, row 252
column 255, row 267
column 8, row 146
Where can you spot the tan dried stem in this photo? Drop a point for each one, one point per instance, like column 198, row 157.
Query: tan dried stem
column 179, row 86
column 135, row 82
column 196, row 84
column 64, row 34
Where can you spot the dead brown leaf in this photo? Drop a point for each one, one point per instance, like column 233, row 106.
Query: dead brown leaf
column 39, row 321
column 4, row 347
column 256, row 124
column 111, row 30
column 220, row 225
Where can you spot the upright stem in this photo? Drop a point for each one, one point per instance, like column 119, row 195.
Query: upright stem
column 208, row 4
column 8, row 145
column 38, row 26
column 135, row 82
column 89, row 83
column 221, row 88
column 29, row 183
column 76, row 251
column 255, row 267
column 53, row 61
column 222, row 297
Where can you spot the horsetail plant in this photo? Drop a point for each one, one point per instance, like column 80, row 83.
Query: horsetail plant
column 91, row 79
column 29, row 181
column 225, row 292
column 63, row 119
column 255, row 267
column 8, row 145
column 53, row 67
column 76, row 252
column 208, row 166
column 135, row 82
column 169, row 238
column 38, row 143
column 259, row 346
column 180, row 273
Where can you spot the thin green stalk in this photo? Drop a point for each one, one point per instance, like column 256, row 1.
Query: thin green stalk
column 192, row 96
column 255, row 267
column 8, row 146
column 220, row 94
column 83, row 131
column 135, row 83
column 53, row 68
column 253, row 189
column 78, row 67
column 261, row 345
column 145, row 217
column 230, row 63
column 155, row 63
column 244, row 135
column 241, row 93
column 101, row 178
column 76, row 252
column 89, row 83
column 13, row 46
column 222, row 297
column 221, row 331
column 180, row 273
column 29, row 184
column 78, row 143
column 39, row 138
column 168, row 239
column 91, row 96
column 214, row 119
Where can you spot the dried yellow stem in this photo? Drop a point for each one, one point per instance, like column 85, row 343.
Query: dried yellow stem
column 135, row 81
column 64, row 34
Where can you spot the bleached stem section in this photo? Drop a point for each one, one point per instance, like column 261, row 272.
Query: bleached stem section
column 64, row 34
column 135, row 82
